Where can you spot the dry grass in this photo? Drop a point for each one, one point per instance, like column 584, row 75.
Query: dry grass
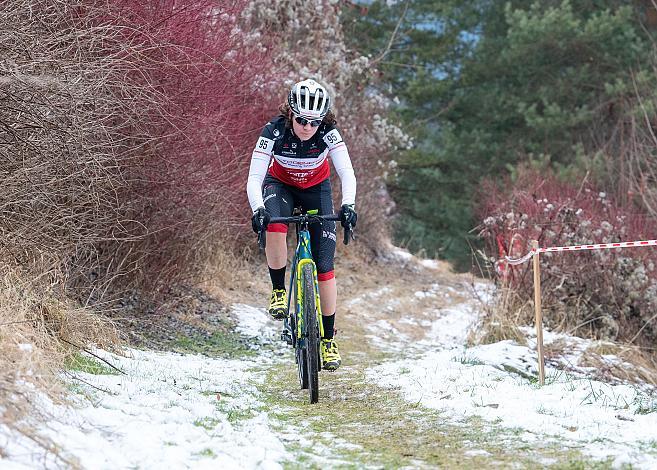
column 630, row 363
column 38, row 331
column 640, row 365
column 508, row 312
column 235, row 272
column 502, row 319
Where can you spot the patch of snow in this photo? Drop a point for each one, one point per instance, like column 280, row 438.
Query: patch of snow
column 252, row 321
column 476, row 452
column 497, row 382
column 169, row 410
column 386, row 337
column 451, row 327
column 484, row 291
column 489, row 381
column 381, row 325
column 429, row 263
column 573, row 352
column 369, row 295
column 402, row 254
column 410, row 321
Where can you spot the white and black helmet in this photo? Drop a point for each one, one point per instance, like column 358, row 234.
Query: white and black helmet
column 309, row 99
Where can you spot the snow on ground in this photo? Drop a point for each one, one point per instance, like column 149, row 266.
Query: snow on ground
column 168, row 411
column 174, row 411
column 492, row 381
column 430, row 263
column 451, row 328
column 191, row 411
column 448, row 327
column 370, row 295
column 252, row 321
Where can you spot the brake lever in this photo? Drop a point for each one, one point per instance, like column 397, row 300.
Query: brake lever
column 348, row 235
column 262, row 240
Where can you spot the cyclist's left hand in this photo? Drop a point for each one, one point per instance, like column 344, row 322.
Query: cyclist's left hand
column 348, row 216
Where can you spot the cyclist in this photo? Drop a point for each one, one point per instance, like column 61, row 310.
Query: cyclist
column 289, row 168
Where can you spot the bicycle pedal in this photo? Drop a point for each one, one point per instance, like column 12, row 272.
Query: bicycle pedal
column 286, row 336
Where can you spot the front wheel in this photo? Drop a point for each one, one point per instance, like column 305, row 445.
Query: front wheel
column 311, row 328
column 299, row 353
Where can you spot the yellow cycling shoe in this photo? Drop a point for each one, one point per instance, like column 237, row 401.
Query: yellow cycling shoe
column 331, row 359
column 278, row 304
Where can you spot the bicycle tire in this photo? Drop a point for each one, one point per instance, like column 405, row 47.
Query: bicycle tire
column 302, row 366
column 299, row 353
column 312, row 332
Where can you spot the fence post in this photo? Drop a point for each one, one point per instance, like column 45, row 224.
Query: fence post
column 539, row 315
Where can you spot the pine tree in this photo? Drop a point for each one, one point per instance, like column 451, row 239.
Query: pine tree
column 489, row 85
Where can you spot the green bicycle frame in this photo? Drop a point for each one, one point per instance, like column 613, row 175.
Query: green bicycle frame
column 302, row 257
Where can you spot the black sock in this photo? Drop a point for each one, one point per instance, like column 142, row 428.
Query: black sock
column 277, row 277
column 328, row 321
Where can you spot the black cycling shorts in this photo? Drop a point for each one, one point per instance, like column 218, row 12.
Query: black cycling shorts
column 280, row 201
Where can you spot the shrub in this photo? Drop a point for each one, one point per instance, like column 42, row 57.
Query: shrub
column 317, row 48
column 608, row 294
column 124, row 142
column 201, row 101
column 126, row 150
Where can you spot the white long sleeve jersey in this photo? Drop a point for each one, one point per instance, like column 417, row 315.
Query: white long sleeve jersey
column 298, row 163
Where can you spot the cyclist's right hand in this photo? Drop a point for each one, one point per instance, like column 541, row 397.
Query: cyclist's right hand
column 260, row 220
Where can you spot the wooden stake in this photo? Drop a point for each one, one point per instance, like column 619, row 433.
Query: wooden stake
column 539, row 315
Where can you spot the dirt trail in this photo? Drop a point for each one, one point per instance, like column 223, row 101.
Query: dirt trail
column 409, row 394
column 386, row 314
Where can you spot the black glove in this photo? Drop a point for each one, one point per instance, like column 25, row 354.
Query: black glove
column 260, row 220
column 348, row 216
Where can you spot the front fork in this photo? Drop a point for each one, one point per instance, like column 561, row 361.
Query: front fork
column 293, row 330
column 287, row 333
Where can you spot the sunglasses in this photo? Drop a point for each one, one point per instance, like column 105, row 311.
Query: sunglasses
column 303, row 121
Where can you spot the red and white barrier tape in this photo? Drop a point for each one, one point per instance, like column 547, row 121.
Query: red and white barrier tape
column 515, row 262
column 599, row 246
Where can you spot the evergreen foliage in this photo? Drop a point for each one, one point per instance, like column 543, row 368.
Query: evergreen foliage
column 486, row 85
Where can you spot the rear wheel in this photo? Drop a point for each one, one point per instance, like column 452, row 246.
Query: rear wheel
column 312, row 332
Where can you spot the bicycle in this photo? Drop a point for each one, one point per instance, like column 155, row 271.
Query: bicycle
column 303, row 329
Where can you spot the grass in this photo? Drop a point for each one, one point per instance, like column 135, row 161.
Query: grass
column 631, row 363
column 90, row 365
column 235, row 414
column 467, row 360
column 210, row 393
column 207, row 453
column 544, row 411
column 501, row 320
column 587, row 464
column 649, row 446
column 524, row 374
column 208, row 423
column 219, row 343
column 644, row 404
column 385, row 431
column 641, row 403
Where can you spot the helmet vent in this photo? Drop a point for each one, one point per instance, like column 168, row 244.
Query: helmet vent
column 310, row 99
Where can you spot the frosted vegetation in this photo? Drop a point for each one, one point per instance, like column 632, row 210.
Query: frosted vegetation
column 415, row 393
column 126, row 133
